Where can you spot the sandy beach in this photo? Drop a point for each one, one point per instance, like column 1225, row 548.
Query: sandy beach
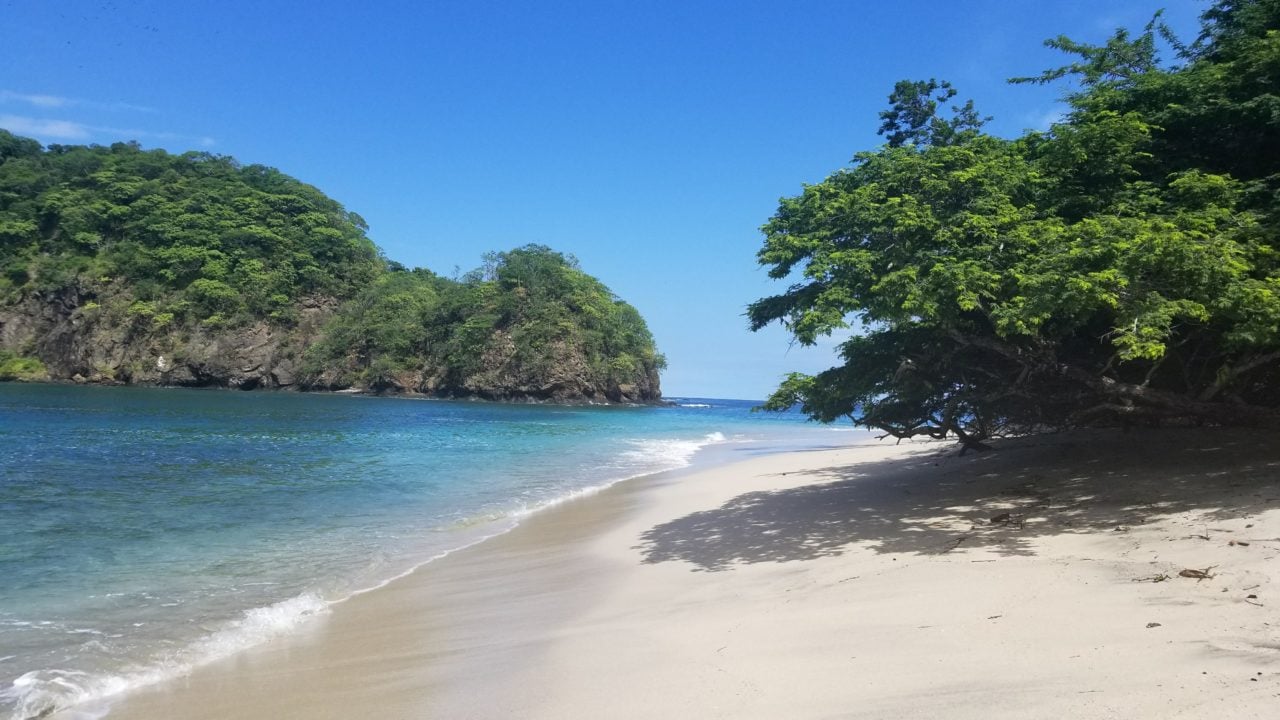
column 1090, row 575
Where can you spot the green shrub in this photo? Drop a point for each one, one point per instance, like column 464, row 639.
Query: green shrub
column 21, row 368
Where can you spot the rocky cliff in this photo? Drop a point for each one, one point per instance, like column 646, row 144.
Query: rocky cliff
column 563, row 375
column 79, row 339
column 125, row 265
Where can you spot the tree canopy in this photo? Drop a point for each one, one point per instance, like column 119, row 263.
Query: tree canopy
column 1122, row 266
column 197, row 236
column 539, row 299
column 165, row 250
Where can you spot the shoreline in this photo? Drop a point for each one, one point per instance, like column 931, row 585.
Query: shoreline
column 279, row 621
column 255, row 592
column 431, row 590
column 865, row 581
column 555, row 529
column 354, row 392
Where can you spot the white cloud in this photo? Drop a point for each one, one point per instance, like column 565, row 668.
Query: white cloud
column 1049, row 119
column 42, row 100
column 127, row 107
column 44, row 129
column 1044, row 121
column 57, row 130
column 134, row 134
column 836, row 338
column 49, row 129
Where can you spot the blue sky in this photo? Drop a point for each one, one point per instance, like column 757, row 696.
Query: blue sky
column 651, row 139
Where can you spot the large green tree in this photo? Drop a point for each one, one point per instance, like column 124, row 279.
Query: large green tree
column 1120, row 267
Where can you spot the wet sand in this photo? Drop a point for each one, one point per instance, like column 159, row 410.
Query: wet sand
column 1038, row 580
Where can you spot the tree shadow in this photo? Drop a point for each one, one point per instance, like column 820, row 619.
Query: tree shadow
column 1001, row 501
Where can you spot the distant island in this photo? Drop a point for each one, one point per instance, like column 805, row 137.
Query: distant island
column 120, row 265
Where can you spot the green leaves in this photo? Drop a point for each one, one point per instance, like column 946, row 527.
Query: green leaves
column 912, row 117
column 524, row 315
column 19, row 367
column 1125, row 264
column 908, row 235
column 175, row 244
column 170, row 222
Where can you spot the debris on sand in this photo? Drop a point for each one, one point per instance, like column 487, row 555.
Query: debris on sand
column 1198, row 574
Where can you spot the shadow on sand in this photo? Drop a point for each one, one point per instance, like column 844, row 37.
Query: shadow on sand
column 1001, row 501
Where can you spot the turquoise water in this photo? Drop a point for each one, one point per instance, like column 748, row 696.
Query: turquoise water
column 146, row 531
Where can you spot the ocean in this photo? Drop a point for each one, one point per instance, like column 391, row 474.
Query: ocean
column 146, row 531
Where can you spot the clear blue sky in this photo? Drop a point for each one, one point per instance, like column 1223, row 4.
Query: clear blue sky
column 651, row 139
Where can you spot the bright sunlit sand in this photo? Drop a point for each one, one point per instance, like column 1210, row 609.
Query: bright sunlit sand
column 1082, row 575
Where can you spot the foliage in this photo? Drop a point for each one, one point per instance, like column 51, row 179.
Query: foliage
column 416, row 321
column 165, row 244
column 197, row 234
column 913, row 116
column 1122, row 266
column 18, row 367
column 379, row 332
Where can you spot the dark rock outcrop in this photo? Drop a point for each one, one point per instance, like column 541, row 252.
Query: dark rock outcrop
column 561, row 375
column 79, row 341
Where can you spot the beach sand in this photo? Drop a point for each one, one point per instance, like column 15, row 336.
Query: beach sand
column 1041, row 579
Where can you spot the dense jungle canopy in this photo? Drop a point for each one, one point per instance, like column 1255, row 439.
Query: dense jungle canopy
column 119, row 264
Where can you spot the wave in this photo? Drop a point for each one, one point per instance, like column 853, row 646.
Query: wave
column 695, row 405
column 669, row 454
column 38, row 693
column 646, row 458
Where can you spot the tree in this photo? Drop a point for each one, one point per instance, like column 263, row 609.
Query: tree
column 173, row 251
column 1122, row 267
column 191, row 231
column 527, row 314
column 913, row 116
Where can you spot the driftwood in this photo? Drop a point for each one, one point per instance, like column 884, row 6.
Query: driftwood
column 1198, row 575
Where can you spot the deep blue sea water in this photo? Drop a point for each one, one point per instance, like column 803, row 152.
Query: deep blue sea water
column 146, row 531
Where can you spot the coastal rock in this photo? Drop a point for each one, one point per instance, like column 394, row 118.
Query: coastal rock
column 87, row 335
column 83, row 336
column 559, row 373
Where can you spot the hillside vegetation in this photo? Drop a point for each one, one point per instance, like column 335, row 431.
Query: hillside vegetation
column 1121, row 267
column 124, row 265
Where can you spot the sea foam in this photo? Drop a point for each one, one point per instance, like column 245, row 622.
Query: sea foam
column 303, row 501
column 664, row 455
column 646, row 457
column 38, row 693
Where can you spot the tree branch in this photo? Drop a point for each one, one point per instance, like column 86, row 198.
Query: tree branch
column 1227, row 374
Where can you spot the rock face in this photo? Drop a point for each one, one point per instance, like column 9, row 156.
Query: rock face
column 562, row 375
column 129, row 266
column 79, row 342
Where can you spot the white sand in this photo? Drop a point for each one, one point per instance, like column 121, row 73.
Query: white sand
column 862, row 582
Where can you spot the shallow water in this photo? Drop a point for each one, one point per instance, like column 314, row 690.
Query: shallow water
column 146, row 531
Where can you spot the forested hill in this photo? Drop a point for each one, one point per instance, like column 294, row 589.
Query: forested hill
column 124, row 265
